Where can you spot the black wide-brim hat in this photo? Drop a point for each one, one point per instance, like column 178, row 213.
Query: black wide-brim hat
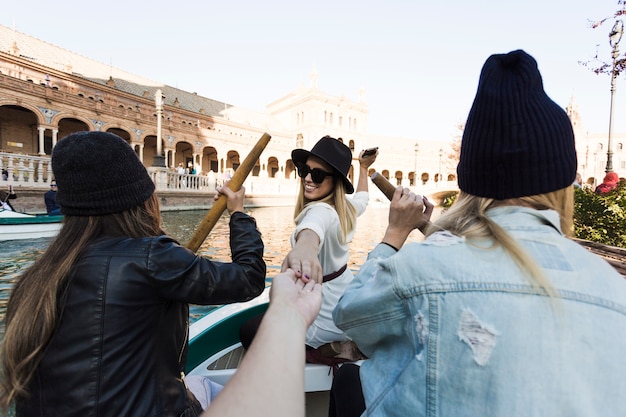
column 334, row 153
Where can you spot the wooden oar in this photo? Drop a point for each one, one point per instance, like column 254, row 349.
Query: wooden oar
column 383, row 185
column 218, row 207
column 388, row 189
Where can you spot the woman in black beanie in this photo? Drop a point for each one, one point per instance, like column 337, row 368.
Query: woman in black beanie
column 497, row 312
column 98, row 324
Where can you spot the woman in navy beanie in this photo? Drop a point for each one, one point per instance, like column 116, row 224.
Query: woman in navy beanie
column 98, row 324
column 497, row 312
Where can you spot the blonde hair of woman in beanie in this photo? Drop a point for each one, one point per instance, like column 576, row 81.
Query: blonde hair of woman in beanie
column 497, row 312
column 98, row 325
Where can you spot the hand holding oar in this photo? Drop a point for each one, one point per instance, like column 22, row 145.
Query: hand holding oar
column 218, row 207
column 388, row 190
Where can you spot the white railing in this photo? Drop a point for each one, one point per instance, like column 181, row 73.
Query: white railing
column 192, row 183
column 25, row 170
column 36, row 172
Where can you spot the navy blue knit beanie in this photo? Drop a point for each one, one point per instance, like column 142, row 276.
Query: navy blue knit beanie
column 517, row 141
column 98, row 173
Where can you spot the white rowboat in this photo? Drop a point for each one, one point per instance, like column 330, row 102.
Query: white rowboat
column 17, row 226
column 215, row 351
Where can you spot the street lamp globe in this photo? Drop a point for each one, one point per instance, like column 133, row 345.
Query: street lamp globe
column 616, row 33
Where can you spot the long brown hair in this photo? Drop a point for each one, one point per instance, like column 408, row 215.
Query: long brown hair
column 467, row 217
column 337, row 198
column 34, row 306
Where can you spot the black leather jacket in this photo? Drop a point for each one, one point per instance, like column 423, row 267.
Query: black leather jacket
column 121, row 343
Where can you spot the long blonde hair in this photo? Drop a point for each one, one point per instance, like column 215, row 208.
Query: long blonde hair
column 35, row 303
column 337, row 199
column 467, row 217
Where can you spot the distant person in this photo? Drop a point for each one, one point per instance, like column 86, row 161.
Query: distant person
column 608, row 184
column 5, row 197
column 578, row 181
column 50, row 198
column 497, row 312
column 98, row 325
column 5, row 174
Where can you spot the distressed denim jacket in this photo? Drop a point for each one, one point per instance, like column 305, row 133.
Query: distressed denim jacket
column 456, row 329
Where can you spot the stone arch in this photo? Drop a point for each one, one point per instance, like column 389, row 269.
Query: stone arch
column 232, row 160
column 290, row 169
column 62, row 117
column 272, row 166
column 69, row 125
column 21, row 122
column 184, row 153
column 124, row 134
column 41, row 120
column 210, row 161
column 398, row 177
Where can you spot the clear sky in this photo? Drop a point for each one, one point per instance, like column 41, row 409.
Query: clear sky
column 418, row 60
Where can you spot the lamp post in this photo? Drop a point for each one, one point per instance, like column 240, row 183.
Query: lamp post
column 614, row 37
column 416, row 148
column 159, row 159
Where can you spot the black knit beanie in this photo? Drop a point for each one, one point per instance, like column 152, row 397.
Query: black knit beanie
column 98, row 173
column 517, row 141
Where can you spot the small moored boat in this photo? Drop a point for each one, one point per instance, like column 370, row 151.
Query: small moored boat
column 15, row 226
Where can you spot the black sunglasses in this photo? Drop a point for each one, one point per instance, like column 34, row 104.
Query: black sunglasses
column 317, row 175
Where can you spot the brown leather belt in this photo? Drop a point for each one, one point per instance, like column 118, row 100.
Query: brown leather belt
column 335, row 274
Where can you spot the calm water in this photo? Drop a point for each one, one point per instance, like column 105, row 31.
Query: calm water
column 274, row 223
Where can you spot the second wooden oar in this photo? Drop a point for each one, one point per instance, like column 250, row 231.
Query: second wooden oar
column 383, row 185
column 388, row 189
column 218, row 207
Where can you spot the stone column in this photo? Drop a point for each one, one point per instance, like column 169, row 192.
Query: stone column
column 41, row 137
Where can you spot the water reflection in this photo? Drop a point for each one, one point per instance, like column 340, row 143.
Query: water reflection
column 274, row 223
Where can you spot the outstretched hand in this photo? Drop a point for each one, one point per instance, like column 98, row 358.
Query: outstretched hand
column 302, row 258
column 289, row 291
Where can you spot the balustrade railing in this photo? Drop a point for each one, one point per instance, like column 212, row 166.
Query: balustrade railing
column 25, row 170
column 35, row 172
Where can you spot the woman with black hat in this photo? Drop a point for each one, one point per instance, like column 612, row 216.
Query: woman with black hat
column 325, row 222
column 98, row 325
column 497, row 312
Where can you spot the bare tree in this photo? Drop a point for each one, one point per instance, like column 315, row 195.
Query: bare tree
column 597, row 65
